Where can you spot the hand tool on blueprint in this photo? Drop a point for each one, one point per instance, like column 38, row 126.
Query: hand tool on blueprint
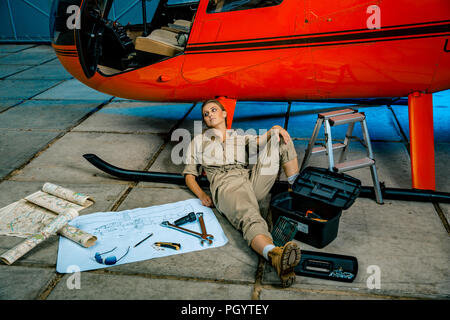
column 203, row 228
column 170, row 245
column 143, row 240
column 190, row 217
column 207, row 237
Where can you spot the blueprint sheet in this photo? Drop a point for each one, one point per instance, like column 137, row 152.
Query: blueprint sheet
column 126, row 228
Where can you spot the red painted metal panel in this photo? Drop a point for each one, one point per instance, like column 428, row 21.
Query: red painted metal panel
column 422, row 140
column 281, row 53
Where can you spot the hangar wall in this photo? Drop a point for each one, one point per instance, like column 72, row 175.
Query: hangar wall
column 28, row 20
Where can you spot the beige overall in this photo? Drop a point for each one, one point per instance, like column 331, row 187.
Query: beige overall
column 235, row 188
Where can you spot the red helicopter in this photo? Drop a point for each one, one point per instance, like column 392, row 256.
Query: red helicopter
column 268, row 50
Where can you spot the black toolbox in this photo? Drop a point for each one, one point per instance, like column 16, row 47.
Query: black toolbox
column 315, row 203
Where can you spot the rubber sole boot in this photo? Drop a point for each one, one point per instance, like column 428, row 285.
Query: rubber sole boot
column 284, row 259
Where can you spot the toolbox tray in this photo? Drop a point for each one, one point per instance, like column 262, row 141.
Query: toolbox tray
column 325, row 193
column 335, row 189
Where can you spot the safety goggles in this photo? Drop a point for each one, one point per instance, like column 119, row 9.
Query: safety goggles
column 109, row 260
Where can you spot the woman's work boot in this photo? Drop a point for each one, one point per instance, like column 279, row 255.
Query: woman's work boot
column 284, row 259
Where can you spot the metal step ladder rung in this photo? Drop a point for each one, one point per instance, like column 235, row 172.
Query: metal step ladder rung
column 353, row 164
column 327, row 115
column 336, row 146
column 346, row 118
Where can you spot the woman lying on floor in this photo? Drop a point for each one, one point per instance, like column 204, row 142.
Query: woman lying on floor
column 237, row 190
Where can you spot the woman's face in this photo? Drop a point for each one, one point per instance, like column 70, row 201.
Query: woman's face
column 213, row 115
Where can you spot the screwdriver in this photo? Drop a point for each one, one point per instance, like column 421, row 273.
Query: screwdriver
column 170, row 245
column 191, row 217
column 314, row 216
column 143, row 240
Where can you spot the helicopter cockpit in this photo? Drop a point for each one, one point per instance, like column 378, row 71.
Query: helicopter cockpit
column 111, row 44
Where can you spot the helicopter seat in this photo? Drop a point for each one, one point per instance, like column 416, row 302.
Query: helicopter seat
column 178, row 26
column 162, row 42
column 183, row 23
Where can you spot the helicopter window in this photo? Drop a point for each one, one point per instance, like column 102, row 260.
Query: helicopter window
column 215, row 6
column 181, row 2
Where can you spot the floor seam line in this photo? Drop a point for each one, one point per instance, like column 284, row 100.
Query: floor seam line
column 257, row 287
column 442, row 216
column 167, row 277
column 30, row 67
column 133, row 184
column 402, row 132
column 48, row 288
column 31, row 97
column 53, row 141
column 345, row 292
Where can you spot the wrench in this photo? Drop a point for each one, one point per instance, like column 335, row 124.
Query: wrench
column 204, row 237
column 202, row 226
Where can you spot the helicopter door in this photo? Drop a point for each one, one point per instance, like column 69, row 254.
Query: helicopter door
column 89, row 35
column 102, row 41
column 230, row 36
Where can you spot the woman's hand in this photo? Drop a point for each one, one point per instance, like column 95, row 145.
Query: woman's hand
column 192, row 184
column 283, row 133
column 206, row 200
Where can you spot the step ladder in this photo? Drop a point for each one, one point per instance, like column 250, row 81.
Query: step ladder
column 336, row 118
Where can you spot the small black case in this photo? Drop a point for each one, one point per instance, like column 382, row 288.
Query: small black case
column 327, row 266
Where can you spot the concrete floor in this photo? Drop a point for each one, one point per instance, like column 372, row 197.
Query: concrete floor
column 48, row 120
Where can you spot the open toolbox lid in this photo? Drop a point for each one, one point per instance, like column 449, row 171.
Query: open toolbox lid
column 336, row 189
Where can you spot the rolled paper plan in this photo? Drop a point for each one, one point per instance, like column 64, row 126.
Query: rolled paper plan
column 77, row 235
column 66, row 194
column 51, row 202
column 10, row 256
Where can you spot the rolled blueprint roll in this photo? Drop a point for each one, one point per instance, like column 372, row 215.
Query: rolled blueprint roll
column 10, row 256
column 77, row 235
column 66, row 194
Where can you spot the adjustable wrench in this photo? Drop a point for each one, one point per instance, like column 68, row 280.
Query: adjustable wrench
column 204, row 237
column 202, row 226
